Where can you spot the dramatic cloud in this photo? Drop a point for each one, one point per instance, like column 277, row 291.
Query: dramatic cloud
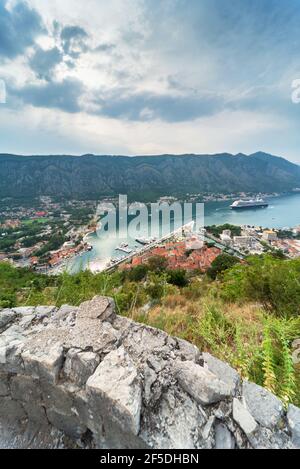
column 18, row 29
column 43, row 62
column 148, row 106
column 137, row 66
column 55, row 95
column 74, row 41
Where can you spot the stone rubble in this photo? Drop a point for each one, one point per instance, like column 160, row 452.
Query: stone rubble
column 85, row 377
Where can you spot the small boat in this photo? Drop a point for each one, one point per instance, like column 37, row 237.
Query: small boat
column 124, row 248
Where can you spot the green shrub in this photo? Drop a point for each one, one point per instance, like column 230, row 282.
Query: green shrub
column 138, row 273
column 7, row 300
column 157, row 264
column 221, row 264
column 156, row 285
column 270, row 281
column 178, row 278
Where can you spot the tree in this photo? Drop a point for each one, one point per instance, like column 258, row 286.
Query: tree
column 267, row 280
column 156, row 285
column 221, row 264
column 217, row 230
column 138, row 273
column 157, row 264
column 178, row 278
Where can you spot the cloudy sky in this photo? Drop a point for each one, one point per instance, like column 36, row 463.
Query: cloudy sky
column 149, row 76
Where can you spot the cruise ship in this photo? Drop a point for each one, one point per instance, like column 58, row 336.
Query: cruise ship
column 247, row 204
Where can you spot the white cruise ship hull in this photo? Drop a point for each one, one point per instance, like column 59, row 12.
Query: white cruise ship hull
column 248, row 207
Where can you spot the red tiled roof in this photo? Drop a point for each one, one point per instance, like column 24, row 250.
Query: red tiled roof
column 175, row 253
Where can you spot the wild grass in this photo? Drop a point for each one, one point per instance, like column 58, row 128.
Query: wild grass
column 248, row 317
column 245, row 336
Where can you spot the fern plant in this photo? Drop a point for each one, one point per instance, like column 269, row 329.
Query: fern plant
column 288, row 386
column 268, row 364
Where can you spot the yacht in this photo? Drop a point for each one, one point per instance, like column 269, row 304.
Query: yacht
column 124, row 248
column 145, row 241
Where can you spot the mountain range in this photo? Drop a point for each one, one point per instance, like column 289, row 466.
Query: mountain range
column 91, row 176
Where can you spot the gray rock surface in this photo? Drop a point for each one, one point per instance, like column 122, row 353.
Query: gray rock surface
column 293, row 417
column 224, row 438
column 85, row 377
column 264, row 406
column 243, row 418
column 6, row 317
column 200, row 383
column 24, row 310
column 4, row 388
column 116, row 390
column 223, row 371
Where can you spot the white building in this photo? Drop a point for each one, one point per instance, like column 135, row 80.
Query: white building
column 296, row 230
column 243, row 241
column 227, row 233
column 269, row 236
column 226, row 239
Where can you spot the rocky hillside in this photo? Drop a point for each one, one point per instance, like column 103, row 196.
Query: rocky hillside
column 86, row 377
column 93, row 176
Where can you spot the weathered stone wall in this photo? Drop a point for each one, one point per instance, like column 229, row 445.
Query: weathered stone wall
column 86, row 377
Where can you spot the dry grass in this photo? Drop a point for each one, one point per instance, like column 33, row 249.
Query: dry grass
column 227, row 330
column 232, row 332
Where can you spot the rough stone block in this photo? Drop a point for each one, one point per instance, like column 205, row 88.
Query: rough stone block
column 224, row 438
column 265, row 438
column 26, row 321
column 7, row 316
column 264, row 406
column 96, row 335
column 36, row 413
column 143, row 342
column 79, row 366
column 99, row 307
column 223, row 371
column 10, row 356
column 116, row 391
column 24, row 310
column 25, row 389
column 243, row 418
column 150, row 378
column 82, row 408
column 44, row 364
column 4, row 388
column 187, row 351
column 200, row 383
column 11, row 411
column 42, row 312
column 68, row 423
column 57, row 397
column 294, row 424
column 64, row 312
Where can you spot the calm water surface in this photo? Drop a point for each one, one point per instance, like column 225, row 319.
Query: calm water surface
column 283, row 211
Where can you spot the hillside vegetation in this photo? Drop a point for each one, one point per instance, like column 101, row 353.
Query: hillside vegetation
column 144, row 177
column 246, row 314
